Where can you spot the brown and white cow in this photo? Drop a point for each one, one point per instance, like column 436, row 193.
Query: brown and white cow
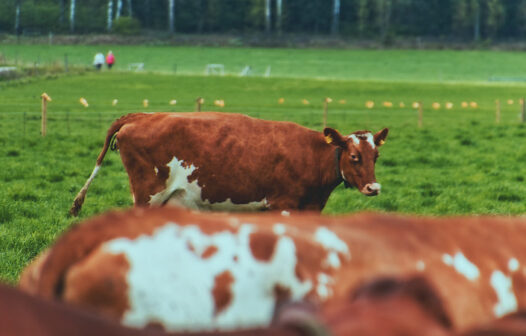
column 221, row 161
column 187, row 270
column 383, row 307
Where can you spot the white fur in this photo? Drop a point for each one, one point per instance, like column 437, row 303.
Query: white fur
column 368, row 137
column 370, row 140
column 333, row 244
column 279, row 229
column 513, row 265
column 354, row 139
column 322, row 289
column 462, row 265
column 179, row 191
column 170, row 284
column 503, row 287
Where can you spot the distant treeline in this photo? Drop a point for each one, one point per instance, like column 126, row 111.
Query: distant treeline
column 379, row 19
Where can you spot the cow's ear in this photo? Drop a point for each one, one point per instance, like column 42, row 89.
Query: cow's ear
column 333, row 137
column 379, row 138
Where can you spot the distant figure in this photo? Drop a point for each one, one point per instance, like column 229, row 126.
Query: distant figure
column 110, row 59
column 98, row 61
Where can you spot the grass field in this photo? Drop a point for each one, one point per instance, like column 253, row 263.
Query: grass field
column 392, row 65
column 459, row 162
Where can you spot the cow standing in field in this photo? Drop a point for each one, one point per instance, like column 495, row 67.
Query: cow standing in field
column 190, row 271
column 221, row 161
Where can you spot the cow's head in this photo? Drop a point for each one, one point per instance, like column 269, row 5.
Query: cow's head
column 357, row 157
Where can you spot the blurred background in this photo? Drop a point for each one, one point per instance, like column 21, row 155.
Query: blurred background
column 382, row 20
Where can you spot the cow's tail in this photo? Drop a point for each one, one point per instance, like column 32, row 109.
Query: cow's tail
column 114, row 128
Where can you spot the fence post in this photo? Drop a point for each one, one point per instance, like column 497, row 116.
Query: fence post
column 198, row 102
column 326, row 102
column 45, row 99
column 420, row 114
column 522, row 110
column 497, row 112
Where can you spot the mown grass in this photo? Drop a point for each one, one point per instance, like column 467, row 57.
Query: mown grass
column 460, row 162
column 394, row 65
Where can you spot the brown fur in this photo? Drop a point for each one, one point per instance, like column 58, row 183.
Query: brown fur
column 262, row 245
column 25, row 315
column 379, row 244
column 238, row 158
column 222, row 291
column 509, row 325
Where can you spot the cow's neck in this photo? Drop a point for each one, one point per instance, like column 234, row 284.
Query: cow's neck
column 331, row 176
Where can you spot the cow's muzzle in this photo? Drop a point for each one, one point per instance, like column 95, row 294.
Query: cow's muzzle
column 371, row 189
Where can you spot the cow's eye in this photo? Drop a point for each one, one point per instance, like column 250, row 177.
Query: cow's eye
column 355, row 158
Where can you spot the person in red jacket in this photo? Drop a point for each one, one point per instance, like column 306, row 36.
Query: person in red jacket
column 110, row 59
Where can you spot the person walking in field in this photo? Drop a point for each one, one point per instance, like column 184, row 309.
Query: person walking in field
column 98, row 61
column 110, row 59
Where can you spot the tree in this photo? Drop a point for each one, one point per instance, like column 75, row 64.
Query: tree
column 267, row 16
column 475, row 8
column 72, row 16
column 279, row 10
column 62, row 12
column 110, row 15
column 17, row 17
column 384, row 8
column 130, row 9
column 171, row 19
column 335, row 17
column 119, row 9
column 363, row 17
column 495, row 17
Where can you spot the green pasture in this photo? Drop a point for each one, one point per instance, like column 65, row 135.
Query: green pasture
column 459, row 162
column 392, row 65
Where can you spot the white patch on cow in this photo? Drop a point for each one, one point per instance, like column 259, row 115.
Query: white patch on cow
column 420, row 265
column 370, row 139
column 462, row 265
column 503, row 287
column 279, row 229
column 233, row 222
column 171, row 284
column 180, row 192
column 156, row 170
column 285, row 213
column 367, row 137
column 354, row 139
column 333, row 244
column 513, row 265
column 323, row 289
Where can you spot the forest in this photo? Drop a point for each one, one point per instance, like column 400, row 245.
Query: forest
column 384, row 20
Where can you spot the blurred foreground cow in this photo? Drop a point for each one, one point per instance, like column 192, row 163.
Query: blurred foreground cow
column 190, row 271
column 221, row 161
column 383, row 307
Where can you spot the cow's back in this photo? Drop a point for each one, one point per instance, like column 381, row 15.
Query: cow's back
column 233, row 159
column 477, row 264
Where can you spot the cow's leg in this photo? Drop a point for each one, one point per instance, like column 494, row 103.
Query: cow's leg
column 144, row 183
column 145, row 179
